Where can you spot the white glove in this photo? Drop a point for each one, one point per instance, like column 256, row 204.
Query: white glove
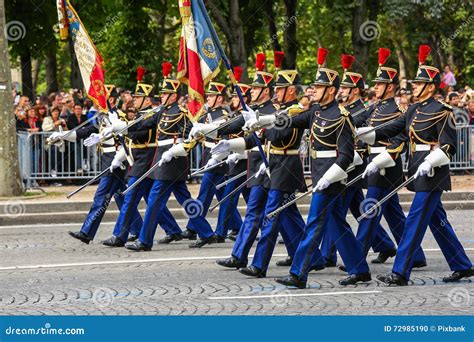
column 119, row 158
column 424, row 169
column 370, row 169
column 322, row 184
column 200, row 129
column 211, row 162
column 261, row 170
column 93, row 139
column 175, row 151
column 165, row 158
column 369, row 138
column 106, row 131
column 248, row 114
column 235, row 157
column 113, row 117
column 225, row 146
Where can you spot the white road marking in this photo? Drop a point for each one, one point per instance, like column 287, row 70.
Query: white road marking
column 138, row 261
column 118, row 262
column 295, row 295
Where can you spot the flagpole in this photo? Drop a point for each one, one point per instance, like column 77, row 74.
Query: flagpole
column 231, row 74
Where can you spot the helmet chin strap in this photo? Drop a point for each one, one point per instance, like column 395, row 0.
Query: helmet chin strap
column 422, row 90
column 322, row 96
column 167, row 99
column 143, row 101
column 384, row 91
column 259, row 94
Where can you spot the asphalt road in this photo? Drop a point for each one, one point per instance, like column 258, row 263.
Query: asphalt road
column 45, row 272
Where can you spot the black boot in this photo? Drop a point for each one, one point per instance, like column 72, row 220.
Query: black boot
column 419, row 264
column 170, row 238
column 383, row 256
column 253, row 271
column 189, row 235
column 458, row 275
column 392, row 279
column 202, row 242
column 355, row 278
column 233, row 235
column 231, row 262
column 291, row 280
column 132, row 238
column 287, row 262
column 81, row 237
column 137, row 246
column 113, row 242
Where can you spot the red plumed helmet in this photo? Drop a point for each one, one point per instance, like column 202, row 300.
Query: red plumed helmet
column 140, row 73
column 346, row 61
column 423, row 53
column 238, row 73
column 166, row 68
column 278, row 58
column 322, row 53
column 384, row 53
column 260, row 61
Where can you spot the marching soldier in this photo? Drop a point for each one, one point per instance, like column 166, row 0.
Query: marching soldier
column 286, row 177
column 229, row 218
column 332, row 152
column 385, row 170
column 141, row 144
column 430, row 127
column 352, row 85
column 215, row 96
column 170, row 176
column 261, row 93
column 111, row 182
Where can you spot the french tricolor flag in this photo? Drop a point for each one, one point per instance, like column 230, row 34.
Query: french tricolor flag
column 199, row 57
column 88, row 57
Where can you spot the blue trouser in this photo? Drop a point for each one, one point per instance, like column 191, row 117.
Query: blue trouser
column 393, row 214
column 206, row 194
column 289, row 223
column 229, row 217
column 425, row 210
column 327, row 213
column 352, row 199
column 129, row 219
column 252, row 221
column 159, row 194
column 108, row 186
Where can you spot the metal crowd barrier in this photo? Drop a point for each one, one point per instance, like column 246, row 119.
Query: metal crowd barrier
column 40, row 161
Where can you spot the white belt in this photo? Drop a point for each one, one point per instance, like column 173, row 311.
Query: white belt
column 422, row 147
column 323, row 154
column 377, row 150
column 166, row 142
column 284, row 152
column 108, row 149
column 254, row 149
column 209, row 144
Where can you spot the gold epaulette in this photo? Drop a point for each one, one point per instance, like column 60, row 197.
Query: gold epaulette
column 344, row 111
column 294, row 110
column 445, row 104
column 401, row 109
